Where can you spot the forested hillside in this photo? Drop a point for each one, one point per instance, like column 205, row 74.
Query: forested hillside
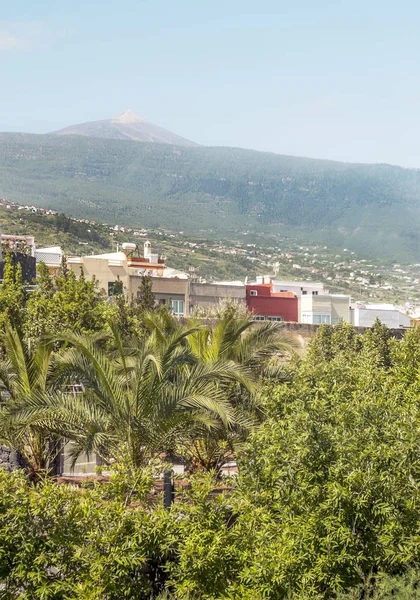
column 370, row 208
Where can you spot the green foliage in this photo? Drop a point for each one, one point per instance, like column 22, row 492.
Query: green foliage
column 326, row 504
column 137, row 401
column 61, row 543
column 206, row 551
column 12, row 294
column 259, row 348
column 330, row 481
column 386, row 587
column 146, row 301
column 61, row 303
column 81, row 231
column 26, row 371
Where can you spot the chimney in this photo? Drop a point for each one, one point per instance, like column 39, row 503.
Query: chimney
column 147, row 250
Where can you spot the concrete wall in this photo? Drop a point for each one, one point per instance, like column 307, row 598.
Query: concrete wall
column 306, row 330
column 297, row 287
column 209, row 295
column 314, row 304
column 340, row 309
column 166, row 289
column 84, row 465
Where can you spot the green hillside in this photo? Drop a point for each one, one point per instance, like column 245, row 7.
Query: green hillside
column 374, row 209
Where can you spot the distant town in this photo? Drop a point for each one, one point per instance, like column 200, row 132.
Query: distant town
column 311, row 285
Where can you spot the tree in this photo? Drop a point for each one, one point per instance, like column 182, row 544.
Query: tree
column 56, row 542
column 26, row 372
column 330, row 480
column 42, row 315
column 260, row 348
column 12, row 294
column 64, row 302
column 146, row 300
column 139, row 400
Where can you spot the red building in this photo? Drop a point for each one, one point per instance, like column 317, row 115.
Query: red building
column 264, row 304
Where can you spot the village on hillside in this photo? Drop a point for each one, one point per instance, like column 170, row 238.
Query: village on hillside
column 306, row 285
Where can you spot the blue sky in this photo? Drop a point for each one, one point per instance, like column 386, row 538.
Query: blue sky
column 327, row 78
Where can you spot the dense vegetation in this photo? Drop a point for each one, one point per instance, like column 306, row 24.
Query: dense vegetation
column 326, row 502
column 370, row 208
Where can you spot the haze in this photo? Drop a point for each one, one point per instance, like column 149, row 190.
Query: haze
column 328, row 79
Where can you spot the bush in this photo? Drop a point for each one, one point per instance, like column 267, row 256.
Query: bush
column 61, row 542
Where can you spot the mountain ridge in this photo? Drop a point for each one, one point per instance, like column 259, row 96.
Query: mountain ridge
column 374, row 209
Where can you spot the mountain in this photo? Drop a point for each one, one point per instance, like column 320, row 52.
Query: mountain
column 372, row 209
column 126, row 126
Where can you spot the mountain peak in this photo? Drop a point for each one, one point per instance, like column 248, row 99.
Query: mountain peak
column 126, row 126
column 128, row 116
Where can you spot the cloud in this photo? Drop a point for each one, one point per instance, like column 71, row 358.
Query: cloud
column 9, row 41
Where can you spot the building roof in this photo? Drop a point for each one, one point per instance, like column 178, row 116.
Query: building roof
column 285, row 282
column 109, row 256
column 50, row 250
column 236, row 283
column 174, row 273
column 376, row 306
column 269, row 288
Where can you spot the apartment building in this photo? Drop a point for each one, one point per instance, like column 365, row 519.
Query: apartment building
column 127, row 266
column 170, row 286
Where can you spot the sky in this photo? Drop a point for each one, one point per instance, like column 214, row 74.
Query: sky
column 330, row 79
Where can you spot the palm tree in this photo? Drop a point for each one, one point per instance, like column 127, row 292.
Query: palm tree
column 258, row 347
column 25, row 372
column 138, row 401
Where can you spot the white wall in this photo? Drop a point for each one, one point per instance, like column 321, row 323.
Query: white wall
column 297, row 287
column 366, row 317
column 337, row 307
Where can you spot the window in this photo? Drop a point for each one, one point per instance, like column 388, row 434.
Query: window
column 316, row 318
column 178, row 307
column 321, row 319
column 253, row 293
column 162, row 301
column 114, row 288
column 304, row 292
column 314, row 293
column 258, row 318
column 275, row 318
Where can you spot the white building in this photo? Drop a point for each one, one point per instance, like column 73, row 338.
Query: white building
column 365, row 315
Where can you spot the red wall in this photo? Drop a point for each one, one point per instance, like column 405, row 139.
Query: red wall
column 272, row 306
